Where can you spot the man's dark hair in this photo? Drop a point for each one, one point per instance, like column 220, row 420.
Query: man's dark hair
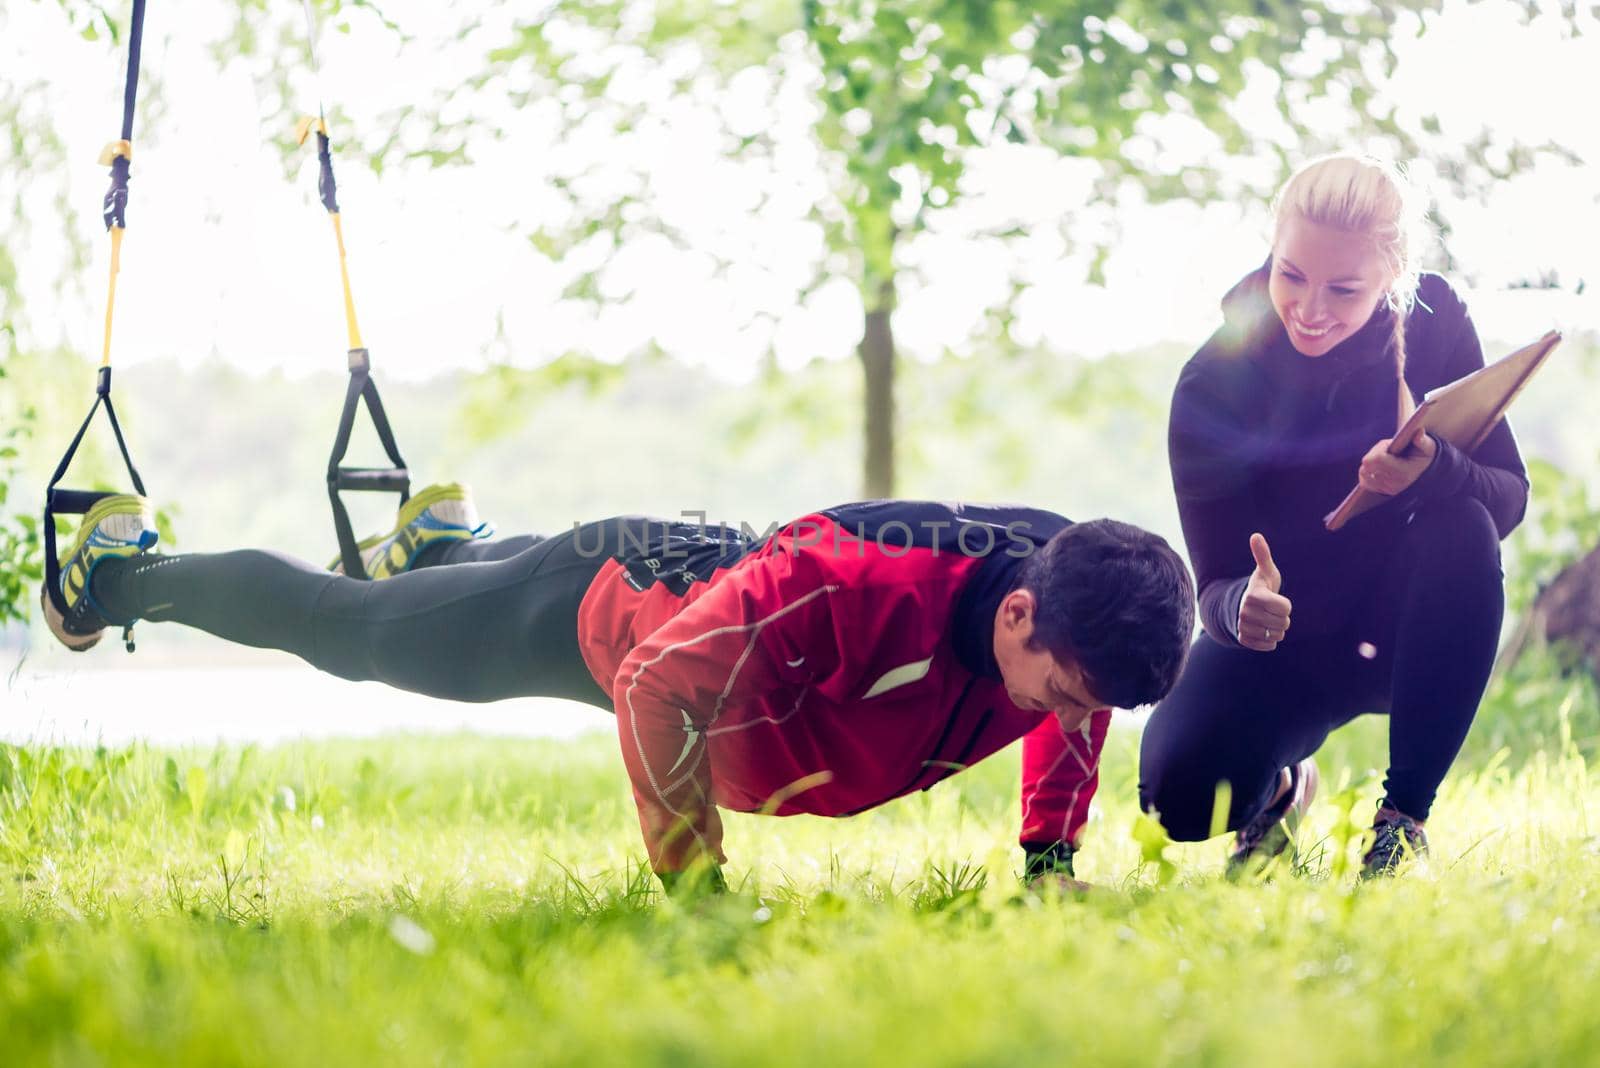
column 1117, row 601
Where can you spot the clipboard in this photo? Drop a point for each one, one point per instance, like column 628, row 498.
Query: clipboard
column 1461, row 413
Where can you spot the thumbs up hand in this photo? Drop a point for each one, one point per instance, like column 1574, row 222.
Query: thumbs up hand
column 1263, row 611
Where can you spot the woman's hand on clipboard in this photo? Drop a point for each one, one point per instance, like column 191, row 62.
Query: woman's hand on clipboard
column 1383, row 471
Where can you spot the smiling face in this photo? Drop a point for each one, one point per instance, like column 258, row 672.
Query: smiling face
column 1035, row 679
column 1325, row 283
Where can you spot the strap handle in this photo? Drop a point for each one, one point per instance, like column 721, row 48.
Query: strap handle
column 395, row 479
column 361, row 388
column 118, row 155
column 77, row 502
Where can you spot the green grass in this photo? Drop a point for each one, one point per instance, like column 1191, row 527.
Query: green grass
column 480, row 901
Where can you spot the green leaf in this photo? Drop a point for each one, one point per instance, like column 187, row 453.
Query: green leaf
column 194, row 784
column 234, row 849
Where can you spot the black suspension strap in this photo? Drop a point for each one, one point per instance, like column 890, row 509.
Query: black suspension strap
column 118, row 155
column 396, row 479
column 361, row 389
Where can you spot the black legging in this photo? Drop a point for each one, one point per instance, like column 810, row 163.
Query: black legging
column 1421, row 652
column 501, row 622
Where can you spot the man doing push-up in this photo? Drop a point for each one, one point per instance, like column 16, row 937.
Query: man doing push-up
column 857, row 654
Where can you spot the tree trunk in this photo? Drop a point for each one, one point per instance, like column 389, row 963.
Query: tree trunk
column 877, row 361
column 1567, row 610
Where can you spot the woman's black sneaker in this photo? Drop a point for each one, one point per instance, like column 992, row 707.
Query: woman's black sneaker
column 1396, row 838
column 1272, row 832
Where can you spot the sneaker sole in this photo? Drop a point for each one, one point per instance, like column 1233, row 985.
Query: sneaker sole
column 53, row 618
column 78, row 643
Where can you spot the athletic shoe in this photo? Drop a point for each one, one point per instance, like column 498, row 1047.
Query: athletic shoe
column 436, row 514
column 1396, row 838
column 121, row 526
column 1273, row 829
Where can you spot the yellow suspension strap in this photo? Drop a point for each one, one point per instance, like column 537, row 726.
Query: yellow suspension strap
column 118, row 155
column 329, row 192
column 361, row 388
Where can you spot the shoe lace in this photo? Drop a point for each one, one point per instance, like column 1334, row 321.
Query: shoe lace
column 1392, row 838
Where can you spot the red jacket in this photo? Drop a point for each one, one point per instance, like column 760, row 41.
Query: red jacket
column 840, row 663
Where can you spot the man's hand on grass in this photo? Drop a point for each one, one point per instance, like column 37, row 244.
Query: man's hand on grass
column 700, row 880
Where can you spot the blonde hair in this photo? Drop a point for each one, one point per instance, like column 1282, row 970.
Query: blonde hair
column 1368, row 196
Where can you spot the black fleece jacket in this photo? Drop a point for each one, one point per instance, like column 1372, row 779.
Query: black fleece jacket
column 1264, row 439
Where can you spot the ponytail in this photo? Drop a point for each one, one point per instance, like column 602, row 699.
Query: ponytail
column 1407, row 404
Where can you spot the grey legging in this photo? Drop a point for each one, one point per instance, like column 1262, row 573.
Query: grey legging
column 473, row 620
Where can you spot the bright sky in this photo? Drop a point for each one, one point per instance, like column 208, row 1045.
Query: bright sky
column 226, row 258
